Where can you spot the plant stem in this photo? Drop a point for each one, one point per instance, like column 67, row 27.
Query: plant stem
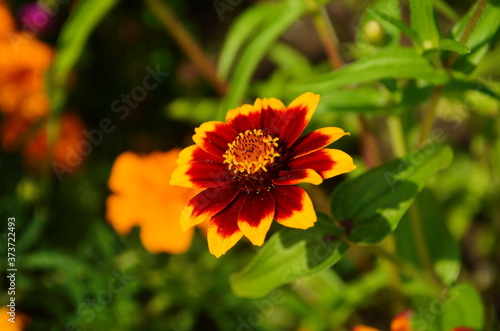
column 468, row 29
column 396, row 134
column 438, row 90
column 430, row 115
column 329, row 39
column 406, row 267
column 326, row 33
column 187, row 43
column 419, row 238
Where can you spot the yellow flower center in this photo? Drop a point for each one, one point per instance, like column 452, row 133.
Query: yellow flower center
column 251, row 151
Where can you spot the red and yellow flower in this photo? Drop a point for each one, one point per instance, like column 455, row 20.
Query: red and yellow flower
column 248, row 168
column 143, row 197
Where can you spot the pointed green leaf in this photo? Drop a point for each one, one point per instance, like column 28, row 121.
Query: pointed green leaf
column 453, row 45
column 244, row 26
column 257, row 48
column 289, row 254
column 83, row 19
column 360, row 100
column 391, row 63
column 398, row 24
column 372, row 204
column 481, row 37
column 424, row 21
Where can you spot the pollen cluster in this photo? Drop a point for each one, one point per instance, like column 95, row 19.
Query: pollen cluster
column 251, row 151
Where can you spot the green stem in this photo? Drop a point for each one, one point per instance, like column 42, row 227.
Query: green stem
column 430, row 115
column 187, row 43
column 406, row 268
column 471, row 24
column 419, row 238
column 397, row 136
column 326, row 33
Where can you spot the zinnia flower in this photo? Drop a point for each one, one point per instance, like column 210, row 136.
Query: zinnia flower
column 248, row 167
column 143, row 197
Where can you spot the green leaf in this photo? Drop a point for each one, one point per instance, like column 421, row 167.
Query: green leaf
column 424, row 21
column 444, row 8
column 453, row 45
column 442, row 247
column 83, row 19
column 289, row 254
column 390, row 34
column 290, row 12
column 372, row 205
column 360, row 100
column 481, row 37
column 290, row 60
column 398, row 24
column 391, row 63
column 244, row 26
column 459, row 306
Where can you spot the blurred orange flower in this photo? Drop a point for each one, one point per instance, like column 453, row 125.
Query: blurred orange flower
column 401, row 322
column 23, row 64
column 21, row 320
column 143, row 197
column 15, row 134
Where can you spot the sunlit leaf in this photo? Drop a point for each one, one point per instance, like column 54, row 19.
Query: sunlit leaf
column 244, row 26
column 398, row 24
column 481, row 37
column 392, row 63
column 258, row 47
column 453, row 45
column 372, row 204
column 424, row 21
column 288, row 255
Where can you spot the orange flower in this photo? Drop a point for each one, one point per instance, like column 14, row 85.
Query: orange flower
column 23, row 64
column 143, row 197
column 21, row 320
column 249, row 168
column 401, row 322
column 15, row 129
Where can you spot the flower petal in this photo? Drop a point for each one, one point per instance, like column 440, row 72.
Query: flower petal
column 363, row 328
column 402, row 321
column 291, row 122
column 223, row 231
column 254, row 116
column 206, row 204
column 200, row 175
column 316, row 140
column 256, row 216
column 213, row 137
column 194, row 153
column 294, row 208
column 327, row 162
column 297, row 176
